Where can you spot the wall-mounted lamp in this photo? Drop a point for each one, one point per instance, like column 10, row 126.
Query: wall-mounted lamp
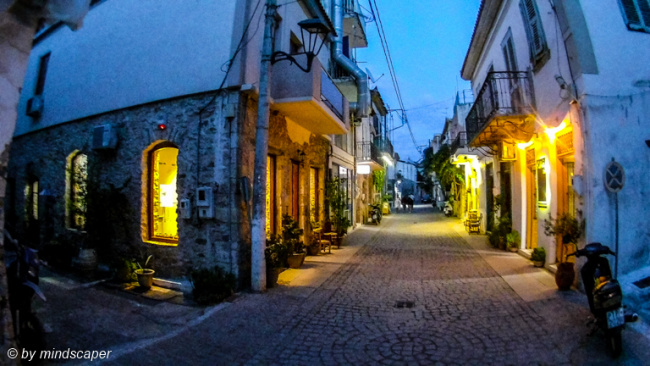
column 552, row 131
column 524, row 145
column 314, row 28
column 565, row 86
column 560, row 80
column 301, row 157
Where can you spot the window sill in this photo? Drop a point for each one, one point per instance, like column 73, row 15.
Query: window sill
column 161, row 243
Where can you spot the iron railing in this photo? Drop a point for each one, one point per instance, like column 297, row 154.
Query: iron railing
column 505, row 93
column 384, row 145
column 459, row 142
column 367, row 151
column 330, row 95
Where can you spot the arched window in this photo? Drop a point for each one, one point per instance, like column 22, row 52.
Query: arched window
column 162, row 199
column 77, row 190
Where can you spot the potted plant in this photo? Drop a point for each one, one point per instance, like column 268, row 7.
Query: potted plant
column 513, row 240
column 125, row 270
column 569, row 230
column 291, row 233
column 538, row 257
column 145, row 275
column 338, row 205
column 275, row 254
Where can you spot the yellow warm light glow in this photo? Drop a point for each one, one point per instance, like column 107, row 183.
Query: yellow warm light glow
column 165, row 198
column 387, row 160
column 524, row 145
column 551, row 132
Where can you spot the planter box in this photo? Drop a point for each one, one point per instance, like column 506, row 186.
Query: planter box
column 296, row 260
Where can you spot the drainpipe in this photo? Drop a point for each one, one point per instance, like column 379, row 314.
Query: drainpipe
column 362, row 107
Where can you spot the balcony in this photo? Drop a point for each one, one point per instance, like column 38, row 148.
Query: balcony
column 503, row 110
column 310, row 99
column 368, row 153
column 459, row 142
column 354, row 25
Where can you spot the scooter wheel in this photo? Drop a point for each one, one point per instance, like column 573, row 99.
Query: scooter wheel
column 615, row 342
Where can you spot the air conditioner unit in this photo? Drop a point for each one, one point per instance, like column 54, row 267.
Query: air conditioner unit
column 104, row 137
column 35, row 106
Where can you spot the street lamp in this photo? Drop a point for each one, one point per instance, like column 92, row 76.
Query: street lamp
column 314, row 28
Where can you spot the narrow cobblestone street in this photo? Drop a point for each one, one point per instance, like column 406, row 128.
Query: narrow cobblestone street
column 415, row 290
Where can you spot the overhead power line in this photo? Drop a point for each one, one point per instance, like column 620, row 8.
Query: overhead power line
column 391, row 68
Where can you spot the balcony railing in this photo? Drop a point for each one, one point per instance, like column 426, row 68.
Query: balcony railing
column 459, row 142
column 368, row 152
column 310, row 99
column 506, row 93
column 339, row 73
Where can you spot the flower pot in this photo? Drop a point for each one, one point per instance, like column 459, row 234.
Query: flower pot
column 564, row 276
column 295, row 260
column 538, row 263
column 145, row 277
column 272, row 275
column 87, row 260
column 513, row 249
column 313, row 249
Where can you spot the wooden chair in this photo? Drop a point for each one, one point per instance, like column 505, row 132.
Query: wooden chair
column 473, row 222
column 330, row 234
column 323, row 243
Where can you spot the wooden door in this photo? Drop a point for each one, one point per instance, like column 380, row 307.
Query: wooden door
column 531, row 205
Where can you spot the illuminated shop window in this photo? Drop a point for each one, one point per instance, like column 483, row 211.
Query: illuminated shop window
column 163, row 198
column 270, row 195
column 77, row 190
column 31, row 203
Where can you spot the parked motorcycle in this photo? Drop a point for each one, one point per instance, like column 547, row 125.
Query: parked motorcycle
column 22, row 278
column 604, row 295
column 448, row 209
column 375, row 214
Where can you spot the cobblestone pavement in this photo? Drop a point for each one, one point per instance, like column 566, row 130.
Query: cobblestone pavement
column 415, row 292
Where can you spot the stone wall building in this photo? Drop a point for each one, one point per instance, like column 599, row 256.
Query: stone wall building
column 140, row 143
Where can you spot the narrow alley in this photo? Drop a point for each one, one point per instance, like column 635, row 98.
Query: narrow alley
column 414, row 290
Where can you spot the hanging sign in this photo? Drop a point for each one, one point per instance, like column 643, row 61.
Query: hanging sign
column 614, row 177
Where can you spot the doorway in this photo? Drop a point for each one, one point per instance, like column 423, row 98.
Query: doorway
column 531, row 207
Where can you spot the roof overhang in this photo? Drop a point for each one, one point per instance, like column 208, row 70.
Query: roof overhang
column 487, row 14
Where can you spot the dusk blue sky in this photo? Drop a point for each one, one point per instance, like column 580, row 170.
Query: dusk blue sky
column 428, row 40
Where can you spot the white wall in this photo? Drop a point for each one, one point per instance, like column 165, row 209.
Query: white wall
column 129, row 53
column 550, row 105
column 622, row 55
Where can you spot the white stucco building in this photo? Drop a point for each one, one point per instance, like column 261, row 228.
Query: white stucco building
column 562, row 88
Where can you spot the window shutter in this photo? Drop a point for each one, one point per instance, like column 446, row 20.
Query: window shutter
column 630, row 12
column 534, row 30
column 644, row 6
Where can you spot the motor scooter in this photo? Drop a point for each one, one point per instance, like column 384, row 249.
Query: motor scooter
column 22, row 265
column 375, row 213
column 448, row 209
column 604, row 295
